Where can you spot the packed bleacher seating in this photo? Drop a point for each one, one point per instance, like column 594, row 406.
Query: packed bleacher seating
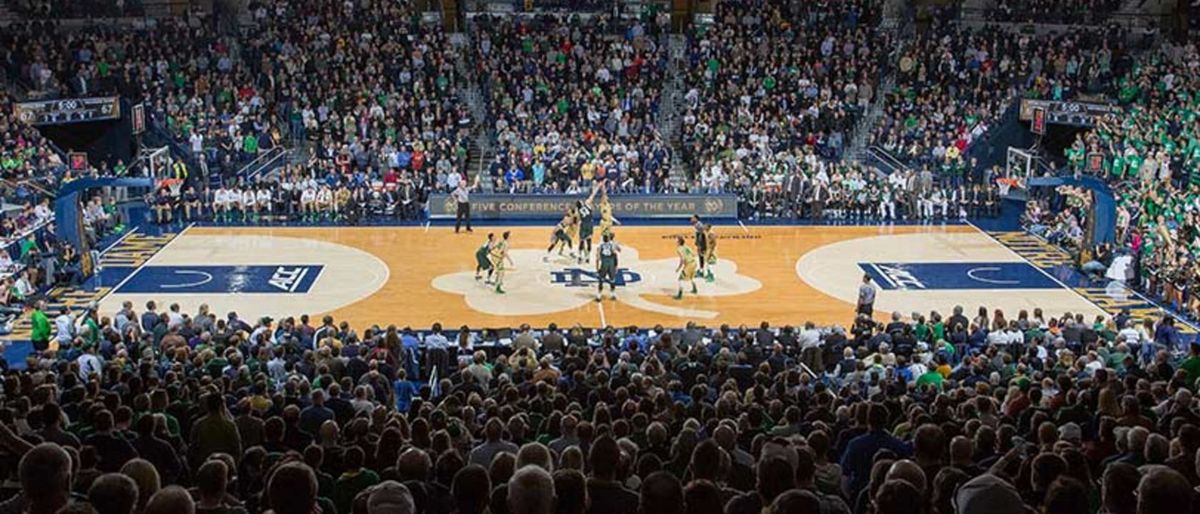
column 771, row 83
column 1151, row 156
column 1069, row 12
column 68, row 9
column 924, row 414
column 157, row 411
column 953, row 86
column 573, row 100
column 369, row 85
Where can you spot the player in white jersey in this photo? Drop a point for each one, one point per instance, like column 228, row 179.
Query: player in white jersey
column 940, row 202
column 308, row 201
column 263, row 198
column 249, row 204
column 220, row 201
column 324, row 204
column 887, row 204
column 235, row 202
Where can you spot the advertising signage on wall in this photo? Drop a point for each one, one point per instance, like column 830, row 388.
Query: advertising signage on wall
column 504, row 206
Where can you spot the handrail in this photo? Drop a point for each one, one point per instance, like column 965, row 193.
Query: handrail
column 245, row 169
column 885, row 157
column 33, row 184
column 275, row 154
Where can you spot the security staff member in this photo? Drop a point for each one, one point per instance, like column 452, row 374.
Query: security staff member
column 462, row 200
column 179, row 169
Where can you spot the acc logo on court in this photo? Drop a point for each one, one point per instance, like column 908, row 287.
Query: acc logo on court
column 262, row 279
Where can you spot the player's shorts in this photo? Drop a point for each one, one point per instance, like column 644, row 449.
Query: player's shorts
column 688, row 272
column 560, row 235
column 606, row 227
column 483, row 261
column 607, row 273
column 585, row 231
column 496, row 263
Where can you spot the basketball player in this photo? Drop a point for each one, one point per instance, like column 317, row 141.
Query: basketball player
column 249, row 204
column 606, row 214
column 220, row 203
column 162, row 205
column 191, row 204
column 499, row 256
column 709, row 258
column 687, row 266
column 341, row 202
column 559, row 238
column 606, row 266
column 481, row 258
column 586, row 227
column 701, row 241
column 887, row 205
column 308, row 201
column 262, row 199
column 572, row 229
column 324, row 203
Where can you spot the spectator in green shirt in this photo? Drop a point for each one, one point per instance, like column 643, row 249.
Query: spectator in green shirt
column 353, row 481
column 1192, row 365
column 215, row 432
column 250, row 145
column 41, row 327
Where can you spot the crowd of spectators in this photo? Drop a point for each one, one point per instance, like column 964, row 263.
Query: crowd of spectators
column 953, row 85
column 771, row 83
column 149, row 411
column 1069, row 12
column 67, row 9
column 369, row 85
column 358, row 85
column 573, row 99
column 1150, row 154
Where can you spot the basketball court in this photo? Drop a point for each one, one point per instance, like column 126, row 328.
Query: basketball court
column 415, row 276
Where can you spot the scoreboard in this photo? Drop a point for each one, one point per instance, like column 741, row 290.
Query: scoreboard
column 1078, row 114
column 69, row 110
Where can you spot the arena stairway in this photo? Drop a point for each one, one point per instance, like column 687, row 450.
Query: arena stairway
column 671, row 107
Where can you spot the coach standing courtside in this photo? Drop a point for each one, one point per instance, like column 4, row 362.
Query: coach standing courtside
column 866, row 296
column 462, row 201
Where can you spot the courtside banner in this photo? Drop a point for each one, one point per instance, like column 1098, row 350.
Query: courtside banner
column 504, row 206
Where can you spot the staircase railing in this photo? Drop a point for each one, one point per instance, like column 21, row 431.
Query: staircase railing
column 885, row 161
column 264, row 163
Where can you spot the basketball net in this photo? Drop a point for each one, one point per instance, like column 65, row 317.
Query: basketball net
column 173, row 185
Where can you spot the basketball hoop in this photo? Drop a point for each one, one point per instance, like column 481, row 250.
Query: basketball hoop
column 174, row 185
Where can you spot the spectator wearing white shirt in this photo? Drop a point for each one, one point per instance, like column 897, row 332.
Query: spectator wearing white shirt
column 174, row 317
column 89, row 363
column 64, row 326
